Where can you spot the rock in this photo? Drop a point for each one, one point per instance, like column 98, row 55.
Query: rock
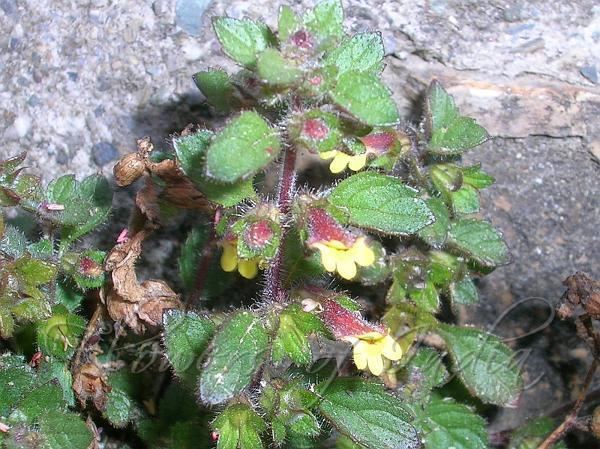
column 188, row 15
column 8, row 6
column 590, row 72
column 103, row 153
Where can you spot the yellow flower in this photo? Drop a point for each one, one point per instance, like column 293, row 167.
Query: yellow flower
column 373, row 350
column 336, row 256
column 229, row 261
column 342, row 160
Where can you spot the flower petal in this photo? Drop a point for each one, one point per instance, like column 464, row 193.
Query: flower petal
column 328, row 154
column 339, row 163
column 248, row 268
column 357, row 162
column 375, row 364
column 328, row 256
column 345, row 265
column 391, row 348
column 360, row 355
column 362, row 254
column 229, row 260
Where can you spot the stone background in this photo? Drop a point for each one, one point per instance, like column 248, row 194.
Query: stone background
column 81, row 80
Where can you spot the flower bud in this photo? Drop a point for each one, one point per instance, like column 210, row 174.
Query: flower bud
column 129, row 168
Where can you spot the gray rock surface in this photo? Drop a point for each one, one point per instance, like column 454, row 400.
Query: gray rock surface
column 76, row 74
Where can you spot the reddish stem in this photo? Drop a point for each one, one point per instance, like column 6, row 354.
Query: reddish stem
column 204, row 265
column 273, row 289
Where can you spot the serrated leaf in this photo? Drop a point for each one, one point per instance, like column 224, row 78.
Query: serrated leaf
column 186, row 337
column 275, row 69
column 238, row 351
column 34, row 272
column 365, row 97
column 59, row 335
column 119, row 407
column 191, row 153
column 245, row 146
column 476, row 177
column 381, row 203
column 464, row 292
column 239, row 427
column 242, row 39
column 62, row 190
column 216, row 86
column 68, row 296
column 435, row 234
column 447, row 424
column 291, row 339
column 13, row 242
column 363, row 52
column 65, row 431
column 426, row 298
column 479, row 241
column 326, row 19
column 425, row 371
column 45, row 399
column 464, row 201
column 365, row 412
column 533, row 433
column 288, row 23
column 484, row 364
column 16, row 380
column 450, row 133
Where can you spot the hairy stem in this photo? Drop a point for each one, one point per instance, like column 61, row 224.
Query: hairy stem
column 204, row 264
column 273, row 289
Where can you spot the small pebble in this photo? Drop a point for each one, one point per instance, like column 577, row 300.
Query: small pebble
column 73, row 76
column 590, row 72
column 103, row 153
column 188, row 15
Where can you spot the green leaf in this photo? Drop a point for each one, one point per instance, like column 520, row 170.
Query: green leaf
column 479, row 241
column 86, row 206
column 465, row 201
column 361, row 53
column 275, row 69
column 13, row 242
column 484, row 364
column 243, row 39
column 119, row 407
column 68, row 296
column 186, row 337
column 216, row 86
column 7, row 323
column 16, row 380
column 426, row 297
column 476, row 177
column 450, row 133
column 435, row 233
column 425, row 371
column 191, row 153
column 34, row 272
column 288, row 23
column 245, row 146
column 45, row 399
column 381, row 203
column 65, row 431
column 533, row 433
column 59, row 335
column 364, row 96
column 464, row 292
column 238, row 352
column 365, row 412
column 326, row 19
column 447, row 424
column 239, row 427
column 291, row 339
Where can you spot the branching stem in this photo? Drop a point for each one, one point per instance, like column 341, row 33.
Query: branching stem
column 273, row 288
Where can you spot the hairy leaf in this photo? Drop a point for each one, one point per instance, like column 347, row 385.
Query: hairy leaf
column 361, row 53
column 239, row 427
column 243, row 39
column 245, row 146
column 382, row 203
column 365, row 412
column 479, row 241
column 239, row 348
column 364, row 96
column 485, row 364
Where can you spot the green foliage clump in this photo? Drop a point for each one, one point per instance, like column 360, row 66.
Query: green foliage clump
column 330, row 346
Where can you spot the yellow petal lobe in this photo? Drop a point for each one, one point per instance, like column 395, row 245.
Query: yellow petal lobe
column 229, row 260
column 248, row 268
column 357, row 162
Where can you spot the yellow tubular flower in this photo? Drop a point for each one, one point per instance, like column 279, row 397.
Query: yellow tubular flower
column 230, row 261
column 373, row 350
column 342, row 160
column 335, row 256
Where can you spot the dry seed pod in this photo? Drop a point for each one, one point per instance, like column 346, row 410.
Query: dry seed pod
column 129, row 168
